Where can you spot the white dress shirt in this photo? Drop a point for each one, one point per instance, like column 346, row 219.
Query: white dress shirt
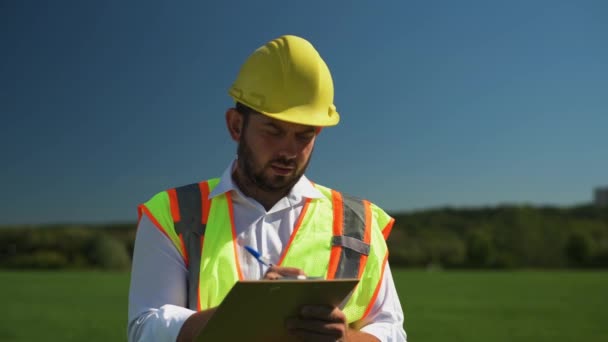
column 157, row 295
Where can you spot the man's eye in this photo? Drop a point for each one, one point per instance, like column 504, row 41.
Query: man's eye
column 306, row 137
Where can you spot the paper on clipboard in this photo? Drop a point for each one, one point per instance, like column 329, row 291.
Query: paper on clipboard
column 256, row 310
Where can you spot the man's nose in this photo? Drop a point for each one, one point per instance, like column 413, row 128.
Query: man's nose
column 289, row 148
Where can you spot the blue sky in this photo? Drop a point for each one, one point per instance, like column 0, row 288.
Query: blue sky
column 459, row 103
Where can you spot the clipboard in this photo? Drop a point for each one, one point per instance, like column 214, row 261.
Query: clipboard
column 256, row 310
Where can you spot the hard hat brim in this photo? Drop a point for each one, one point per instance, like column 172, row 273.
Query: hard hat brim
column 305, row 118
column 299, row 115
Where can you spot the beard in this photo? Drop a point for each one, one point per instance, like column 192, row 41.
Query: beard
column 257, row 175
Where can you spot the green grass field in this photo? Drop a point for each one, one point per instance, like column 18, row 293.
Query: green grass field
column 504, row 306
column 439, row 306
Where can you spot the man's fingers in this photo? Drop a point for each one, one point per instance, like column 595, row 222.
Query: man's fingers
column 313, row 336
column 287, row 271
column 324, row 313
column 278, row 272
column 315, row 330
column 318, row 323
column 272, row 276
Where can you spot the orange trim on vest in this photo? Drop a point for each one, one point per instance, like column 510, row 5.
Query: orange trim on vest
column 367, row 235
column 334, row 257
column 205, row 201
column 373, row 299
column 234, row 237
column 295, row 230
column 183, row 245
column 142, row 209
column 174, row 205
column 139, row 212
column 198, row 291
column 205, row 207
column 386, row 231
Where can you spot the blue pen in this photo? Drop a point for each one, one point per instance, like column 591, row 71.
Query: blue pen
column 264, row 262
column 257, row 256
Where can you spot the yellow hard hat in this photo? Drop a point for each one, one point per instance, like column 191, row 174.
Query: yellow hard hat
column 288, row 80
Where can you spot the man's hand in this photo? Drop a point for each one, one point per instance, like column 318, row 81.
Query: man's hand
column 319, row 323
column 278, row 272
column 324, row 323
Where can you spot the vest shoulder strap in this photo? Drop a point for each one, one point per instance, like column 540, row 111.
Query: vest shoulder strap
column 351, row 236
column 193, row 205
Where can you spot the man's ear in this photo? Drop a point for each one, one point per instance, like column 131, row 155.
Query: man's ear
column 234, row 123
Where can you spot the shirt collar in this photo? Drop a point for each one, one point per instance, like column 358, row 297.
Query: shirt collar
column 302, row 189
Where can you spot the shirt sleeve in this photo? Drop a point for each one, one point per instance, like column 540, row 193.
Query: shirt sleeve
column 157, row 294
column 386, row 315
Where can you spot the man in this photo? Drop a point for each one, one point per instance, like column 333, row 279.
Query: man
column 189, row 248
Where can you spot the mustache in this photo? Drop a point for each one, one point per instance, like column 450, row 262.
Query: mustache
column 282, row 161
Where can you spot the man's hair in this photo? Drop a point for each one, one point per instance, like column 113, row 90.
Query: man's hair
column 245, row 112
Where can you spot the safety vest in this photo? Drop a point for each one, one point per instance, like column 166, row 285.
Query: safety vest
column 337, row 236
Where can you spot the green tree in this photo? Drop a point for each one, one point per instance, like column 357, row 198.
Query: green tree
column 480, row 249
column 108, row 253
column 579, row 249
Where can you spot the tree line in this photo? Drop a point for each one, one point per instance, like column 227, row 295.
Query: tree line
column 502, row 237
column 108, row 247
